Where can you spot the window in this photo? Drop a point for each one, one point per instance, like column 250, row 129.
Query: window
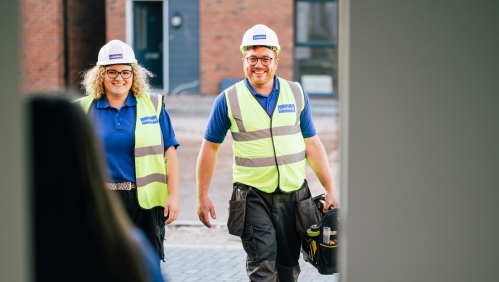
column 316, row 54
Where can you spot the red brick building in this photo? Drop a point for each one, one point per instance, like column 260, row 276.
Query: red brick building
column 61, row 38
column 43, row 46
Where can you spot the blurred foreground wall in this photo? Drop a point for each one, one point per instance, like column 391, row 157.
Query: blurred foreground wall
column 420, row 156
column 14, row 223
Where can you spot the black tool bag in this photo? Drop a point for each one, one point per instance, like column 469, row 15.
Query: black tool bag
column 315, row 249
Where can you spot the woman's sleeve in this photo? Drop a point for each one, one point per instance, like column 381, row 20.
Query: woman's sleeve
column 167, row 129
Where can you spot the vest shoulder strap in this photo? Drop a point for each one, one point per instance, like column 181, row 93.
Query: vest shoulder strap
column 157, row 101
column 85, row 103
column 297, row 93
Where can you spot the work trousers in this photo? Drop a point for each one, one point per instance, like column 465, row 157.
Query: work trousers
column 270, row 238
column 151, row 221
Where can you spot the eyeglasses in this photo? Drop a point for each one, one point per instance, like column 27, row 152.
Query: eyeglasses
column 114, row 73
column 254, row 60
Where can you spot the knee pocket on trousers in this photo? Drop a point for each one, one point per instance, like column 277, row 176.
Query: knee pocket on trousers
column 259, row 242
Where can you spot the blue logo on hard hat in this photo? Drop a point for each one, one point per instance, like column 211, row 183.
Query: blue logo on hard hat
column 286, row 108
column 259, row 36
column 149, row 120
column 115, row 56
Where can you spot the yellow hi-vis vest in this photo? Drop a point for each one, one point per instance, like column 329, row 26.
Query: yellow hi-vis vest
column 269, row 151
column 150, row 168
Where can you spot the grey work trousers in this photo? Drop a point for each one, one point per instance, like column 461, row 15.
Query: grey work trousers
column 270, row 238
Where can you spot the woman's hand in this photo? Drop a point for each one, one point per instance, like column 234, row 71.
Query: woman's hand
column 171, row 209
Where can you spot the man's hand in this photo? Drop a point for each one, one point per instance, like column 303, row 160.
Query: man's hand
column 171, row 209
column 206, row 163
column 205, row 207
column 330, row 201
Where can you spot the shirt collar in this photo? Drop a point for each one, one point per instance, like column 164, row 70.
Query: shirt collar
column 253, row 91
column 103, row 103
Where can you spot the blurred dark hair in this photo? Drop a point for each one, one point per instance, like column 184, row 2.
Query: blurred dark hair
column 81, row 231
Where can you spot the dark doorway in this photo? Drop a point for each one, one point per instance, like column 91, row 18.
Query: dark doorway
column 148, row 38
column 183, row 32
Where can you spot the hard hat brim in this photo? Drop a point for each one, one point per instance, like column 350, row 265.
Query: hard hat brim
column 116, row 62
column 273, row 48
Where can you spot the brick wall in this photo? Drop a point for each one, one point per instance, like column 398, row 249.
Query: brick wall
column 42, row 46
column 115, row 20
column 43, row 42
column 222, row 26
column 86, row 35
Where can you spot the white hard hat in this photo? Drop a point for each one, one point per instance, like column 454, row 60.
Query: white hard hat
column 260, row 35
column 116, row 52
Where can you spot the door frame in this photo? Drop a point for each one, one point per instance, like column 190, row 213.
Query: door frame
column 129, row 38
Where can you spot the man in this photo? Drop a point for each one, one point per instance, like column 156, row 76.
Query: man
column 273, row 132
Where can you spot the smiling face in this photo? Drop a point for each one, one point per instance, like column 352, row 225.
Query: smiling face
column 260, row 76
column 117, row 86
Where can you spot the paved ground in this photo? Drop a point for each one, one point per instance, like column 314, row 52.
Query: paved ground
column 197, row 253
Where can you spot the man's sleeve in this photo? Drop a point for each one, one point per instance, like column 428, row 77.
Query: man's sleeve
column 218, row 123
column 306, row 122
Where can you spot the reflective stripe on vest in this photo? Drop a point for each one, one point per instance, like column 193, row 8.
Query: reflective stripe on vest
column 150, row 168
column 269, row 152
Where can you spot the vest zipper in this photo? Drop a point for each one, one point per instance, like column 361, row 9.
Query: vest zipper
column 273, row 145
column 272, row 138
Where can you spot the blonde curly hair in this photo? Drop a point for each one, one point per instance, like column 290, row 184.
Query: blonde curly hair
column 93, row 81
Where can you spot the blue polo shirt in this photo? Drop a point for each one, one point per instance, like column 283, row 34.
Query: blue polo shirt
column 219, row 122
column 115, row 129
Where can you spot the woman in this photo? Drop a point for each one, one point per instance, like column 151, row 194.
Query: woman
column 138, row 139
column 81, row 232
